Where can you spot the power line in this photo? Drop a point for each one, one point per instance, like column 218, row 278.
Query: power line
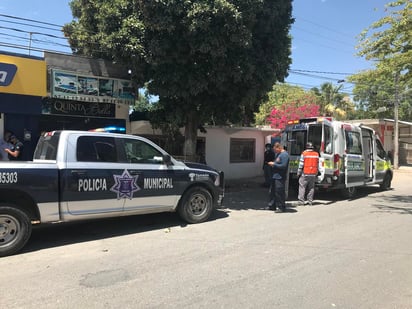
column 322, row 36
column 16, row 46
column 24, row 24
column 323, row 27
column 34, row 32
column 31, row 20
column 321, row 72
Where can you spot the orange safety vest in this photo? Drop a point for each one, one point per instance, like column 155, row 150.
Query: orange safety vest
column 310, row 162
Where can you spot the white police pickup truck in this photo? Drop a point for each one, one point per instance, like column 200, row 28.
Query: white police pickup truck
column 78, row 175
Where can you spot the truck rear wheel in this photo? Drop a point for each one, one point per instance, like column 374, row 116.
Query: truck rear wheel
column 348, row 192
column 15, row 230
column 196, row 205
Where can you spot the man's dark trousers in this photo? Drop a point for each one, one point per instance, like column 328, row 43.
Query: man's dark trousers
column 277, row 193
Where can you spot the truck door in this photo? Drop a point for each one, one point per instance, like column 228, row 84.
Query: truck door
column 353, row 157
column 297, row 137
column 159, row 185
column 382, row 162
column 368, row 153
column 327, row 152
column 88, row 177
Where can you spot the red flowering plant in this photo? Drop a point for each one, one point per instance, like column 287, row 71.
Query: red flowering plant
column 280, row 115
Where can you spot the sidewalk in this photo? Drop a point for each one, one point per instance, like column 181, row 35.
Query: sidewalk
column 403, row 169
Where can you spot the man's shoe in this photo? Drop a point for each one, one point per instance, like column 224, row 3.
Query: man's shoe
column 278, row 211
column 301, row 203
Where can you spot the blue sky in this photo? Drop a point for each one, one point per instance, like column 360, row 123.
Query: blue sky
column 324, row 34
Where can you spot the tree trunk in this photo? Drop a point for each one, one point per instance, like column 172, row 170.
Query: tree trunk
column 189, row 150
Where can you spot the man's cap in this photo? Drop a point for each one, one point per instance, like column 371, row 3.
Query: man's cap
column 309, row 145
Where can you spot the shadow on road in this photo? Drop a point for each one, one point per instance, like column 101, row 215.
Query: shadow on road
column 258, row 197
column 56, row 235
column 397, row 204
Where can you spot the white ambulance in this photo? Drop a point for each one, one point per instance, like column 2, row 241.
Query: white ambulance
column 351, row 155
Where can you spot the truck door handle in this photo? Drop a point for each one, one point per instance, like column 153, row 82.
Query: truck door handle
column 79, row 172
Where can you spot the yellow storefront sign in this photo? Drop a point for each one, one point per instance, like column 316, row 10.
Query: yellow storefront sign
column 24, row 76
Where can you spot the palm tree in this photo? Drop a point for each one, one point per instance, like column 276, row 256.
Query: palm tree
column 333, row 102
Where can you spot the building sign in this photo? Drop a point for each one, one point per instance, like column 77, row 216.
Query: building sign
column 7, row 73
column 71, row 86
column 22, row 75
column 75, row 108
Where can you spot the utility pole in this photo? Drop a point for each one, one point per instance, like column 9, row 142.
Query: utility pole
column 30, row 42
column 396, row 129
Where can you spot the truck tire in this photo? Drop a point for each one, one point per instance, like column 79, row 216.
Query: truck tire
column 196, row 205
column 386, row 184
column 15, row 230
column 348, row 192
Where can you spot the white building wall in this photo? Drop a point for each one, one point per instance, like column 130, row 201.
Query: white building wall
column 218, row 150
column 218, row 147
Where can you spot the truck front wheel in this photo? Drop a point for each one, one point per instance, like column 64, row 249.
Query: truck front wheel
column 386, row 184
column 196, row 205
column 15, row 230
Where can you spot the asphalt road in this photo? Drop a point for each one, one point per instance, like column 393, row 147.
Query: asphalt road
column 335, row 254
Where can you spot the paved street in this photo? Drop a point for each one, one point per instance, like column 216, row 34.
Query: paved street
column 335, row 254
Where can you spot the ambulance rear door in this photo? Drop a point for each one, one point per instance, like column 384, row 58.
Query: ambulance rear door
column 327, row 150
column 354, row 161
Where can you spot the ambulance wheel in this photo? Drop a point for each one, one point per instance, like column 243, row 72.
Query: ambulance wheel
column 386, row 184
column 349, row 192
column 196, row 205
column 15, row 230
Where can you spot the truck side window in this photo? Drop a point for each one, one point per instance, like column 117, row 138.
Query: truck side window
column 106, row 152
column 381, row 153
column 96, row 149
column 47, row 147
column 328, row 134
column 140, row 152
column 353, row 142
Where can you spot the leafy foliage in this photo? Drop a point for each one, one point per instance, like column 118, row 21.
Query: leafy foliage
column 333, row 102
column 387, row 42
column 280, row 95
column 205, row 59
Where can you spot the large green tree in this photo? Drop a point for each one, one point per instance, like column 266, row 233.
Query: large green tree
column 388, row 43
column 205, row 59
